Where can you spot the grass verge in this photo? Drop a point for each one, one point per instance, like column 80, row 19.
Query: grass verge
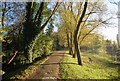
column 94, row 67
column 25, row 71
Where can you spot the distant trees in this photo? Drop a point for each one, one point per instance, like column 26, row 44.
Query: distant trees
column 96, row 44
column 112, row 49
column 109, row 47
column 93, row 43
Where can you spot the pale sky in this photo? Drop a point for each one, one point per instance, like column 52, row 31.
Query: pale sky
column 111, row 31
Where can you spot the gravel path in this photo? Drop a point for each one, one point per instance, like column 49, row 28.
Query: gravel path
column 50, row 68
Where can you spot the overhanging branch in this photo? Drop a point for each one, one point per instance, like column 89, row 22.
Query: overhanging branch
column 55, row 9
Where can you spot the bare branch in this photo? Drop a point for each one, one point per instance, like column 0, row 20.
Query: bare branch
column 13, row 57
column 6, row 11
column 79, row 9
column 93, row 29
column 86, row 19
column 39, row 10
column 81, row 18
column 3, row 15
column 55, row 9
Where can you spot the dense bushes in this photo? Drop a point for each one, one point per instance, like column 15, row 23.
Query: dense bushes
column 42, row 45
column 23, row 38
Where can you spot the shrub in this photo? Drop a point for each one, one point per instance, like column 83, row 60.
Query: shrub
column 42, row 45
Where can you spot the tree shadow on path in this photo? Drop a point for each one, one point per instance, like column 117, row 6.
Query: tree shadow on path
column 59, row 63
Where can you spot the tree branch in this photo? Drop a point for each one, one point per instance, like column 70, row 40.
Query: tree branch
column 79, row 9
column 86, row 20
column 81, row 18
column 13, row 57
column 3, row 15
column 93, row 29
column 12, row 8
column 39, row 11
column 55, row 9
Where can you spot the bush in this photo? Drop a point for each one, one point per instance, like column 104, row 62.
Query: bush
column 42, row 45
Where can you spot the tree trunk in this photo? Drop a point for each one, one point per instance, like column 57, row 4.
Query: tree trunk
column 68, row 41
column 3, row 14
column 74, row 53
column 77, row 50
column 76, row 35
column 71, row 43
column 27, row 35
column 70, row 46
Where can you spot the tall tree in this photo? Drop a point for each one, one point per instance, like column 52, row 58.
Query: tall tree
column 76, row 34
column 32, row 25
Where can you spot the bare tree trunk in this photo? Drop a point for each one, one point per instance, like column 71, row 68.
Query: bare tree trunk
column 74, row 53
column 70, row 48
column 68, row 41
column 71, row 43
column 3, row 14
column 77, row 51
column 76, row 35
column 28, row 26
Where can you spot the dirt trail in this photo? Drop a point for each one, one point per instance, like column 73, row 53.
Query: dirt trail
column 50, row 68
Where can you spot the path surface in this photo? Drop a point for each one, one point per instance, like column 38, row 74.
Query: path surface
column 50, row 68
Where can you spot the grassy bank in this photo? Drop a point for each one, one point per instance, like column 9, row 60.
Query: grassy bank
column 25, row 71
column 94, row 67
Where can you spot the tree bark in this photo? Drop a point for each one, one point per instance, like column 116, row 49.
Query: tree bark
column 76, row 35
column 71, row 43
column 3, row 14
column 27, row 35
column 74, row 53
column 68, row 41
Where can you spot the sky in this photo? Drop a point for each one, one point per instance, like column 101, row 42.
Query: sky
column 111, row 31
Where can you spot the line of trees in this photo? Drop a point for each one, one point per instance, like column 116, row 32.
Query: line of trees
column 78, row 21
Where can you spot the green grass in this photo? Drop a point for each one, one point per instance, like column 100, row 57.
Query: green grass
column 99, row 67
